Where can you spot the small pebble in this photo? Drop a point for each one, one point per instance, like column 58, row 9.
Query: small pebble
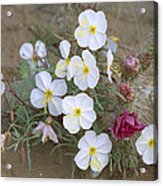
column 9, row 13
column 142, row 10
column 8, row 166
column 142, row 170
column 40, row 174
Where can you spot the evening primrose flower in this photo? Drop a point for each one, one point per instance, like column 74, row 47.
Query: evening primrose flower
column 35, row 56
column 88, row 73
column 48, row 93
column 79, row 111
column 47, row 132
column 146, row 145
column 109, row 56
column 64, row 67
column 3, row 87
column 93, row 151
column 111, row 44
column 92, row 30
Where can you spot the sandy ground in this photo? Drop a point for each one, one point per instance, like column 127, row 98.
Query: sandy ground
column 125, row 21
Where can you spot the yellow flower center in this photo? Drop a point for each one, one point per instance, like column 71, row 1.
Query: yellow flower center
column 48, row 95
column 77, row 112
column 92, row 151
column 35, row 58
column 92, row 29
column 86, row 70
column 151, row 143
column 67, row 60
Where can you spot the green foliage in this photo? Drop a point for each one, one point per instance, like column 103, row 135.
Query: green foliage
column 23, row 70
column 123, row 157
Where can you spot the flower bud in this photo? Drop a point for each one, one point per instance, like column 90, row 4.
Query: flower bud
column 132, row 64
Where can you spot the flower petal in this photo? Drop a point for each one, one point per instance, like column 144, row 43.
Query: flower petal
column 99, row 161
column 76, row 65
column 87, row 119
column 89, row 58
column 111, row 45
column 109, row 63
column 80, row 80
column 90, row 137
column 39, row 127
column 82, row 159
column 40, row 48
column 37, row 98
column 55, row 106
column 141, row 144
column 68, row 104
column 149, row 157
column 84, row 101
column 97, row 41
column 43, row 80
column 150, row 132
column 85, row 123
column 87, row 18
column 61, row 69
column 71, row 123
column 64, row 48
column 2, row 87
column 93, row 77
column 83, row 37
column 3, row 138
column 83, row 144
column 59, row 87
column 103, row 143
column 52, row 135
column 26, row 51
column 100, row 22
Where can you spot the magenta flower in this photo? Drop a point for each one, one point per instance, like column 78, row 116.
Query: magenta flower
column 126, row 125
column 47, row 132
column 132, row 64
column 127, row 92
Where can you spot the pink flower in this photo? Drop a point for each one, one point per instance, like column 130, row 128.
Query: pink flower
column 47, row 132
column 126, row 125
column 127, row 92
column 132, row 64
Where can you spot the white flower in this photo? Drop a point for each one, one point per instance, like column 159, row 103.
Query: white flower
column 2, row 85
column 111, row 44
column 93, row 151
column 79, row 112
column 35, row 56
column 92, row 29
column 146, row 145
column 109, row 64
column 47, row 132
column 88, row 73
column 48, row 93
column 64, row 67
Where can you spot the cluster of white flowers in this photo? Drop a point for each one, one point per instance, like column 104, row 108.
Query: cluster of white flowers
column 79, row 110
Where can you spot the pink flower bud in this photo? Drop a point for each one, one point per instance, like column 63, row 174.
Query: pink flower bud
column 127, row 92
column 132, row 64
